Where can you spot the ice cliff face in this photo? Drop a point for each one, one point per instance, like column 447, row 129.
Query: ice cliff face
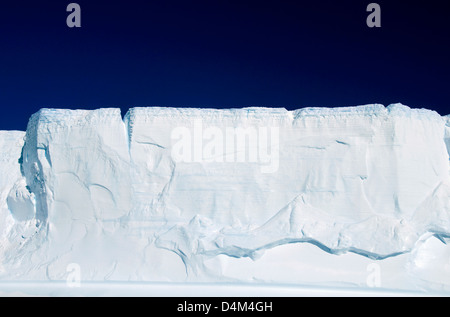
column 173, row 194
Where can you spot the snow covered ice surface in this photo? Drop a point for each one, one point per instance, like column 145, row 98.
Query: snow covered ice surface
column 353, row 198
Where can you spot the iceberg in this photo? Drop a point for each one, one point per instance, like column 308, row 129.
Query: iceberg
column 333, row 197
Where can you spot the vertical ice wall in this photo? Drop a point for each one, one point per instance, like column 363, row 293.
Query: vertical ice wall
column 77, row 165
column 179, row 187
column 224, row 184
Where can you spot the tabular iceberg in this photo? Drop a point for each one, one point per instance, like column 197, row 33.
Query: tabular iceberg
column 317, row 196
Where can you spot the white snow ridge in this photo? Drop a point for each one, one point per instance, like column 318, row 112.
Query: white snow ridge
column 353, row 197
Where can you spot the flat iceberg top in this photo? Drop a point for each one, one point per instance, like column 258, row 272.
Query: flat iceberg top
column 68, row 117
column 371, row 109
column 11, row 134
column 195, row 112
column 61, row 117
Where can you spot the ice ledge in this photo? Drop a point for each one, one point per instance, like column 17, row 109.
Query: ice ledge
column 189, row 290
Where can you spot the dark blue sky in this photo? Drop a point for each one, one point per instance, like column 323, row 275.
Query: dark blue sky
column 221, row 54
